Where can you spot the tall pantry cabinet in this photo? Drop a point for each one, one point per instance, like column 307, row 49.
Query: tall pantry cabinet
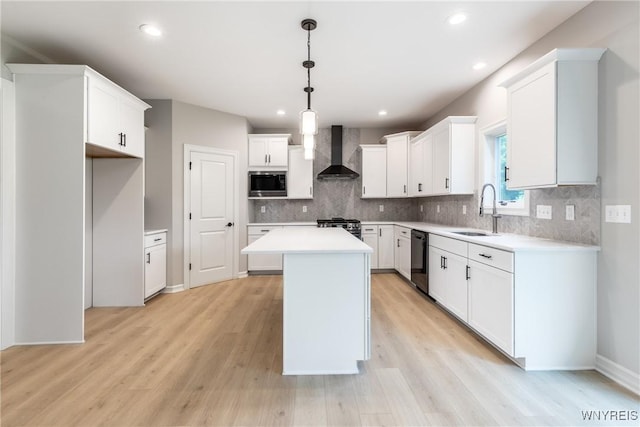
column 61, row 119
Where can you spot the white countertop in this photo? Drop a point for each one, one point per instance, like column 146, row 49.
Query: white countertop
column 291, row 240
column 504, row 241
column 150, row 232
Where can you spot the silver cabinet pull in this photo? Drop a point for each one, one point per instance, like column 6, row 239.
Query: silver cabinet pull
column 405, row 189
column 485, row 256
column 148, row 257
column 265, row 158
column 364, row 190
column 446, row 183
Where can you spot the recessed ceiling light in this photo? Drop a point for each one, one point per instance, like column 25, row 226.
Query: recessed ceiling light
column 479, row 65
column 281, row 112
column 457, row 18
column 382, row 112
column 152, row 30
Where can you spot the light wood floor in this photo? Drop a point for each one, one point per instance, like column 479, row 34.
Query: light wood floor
column 213, row 356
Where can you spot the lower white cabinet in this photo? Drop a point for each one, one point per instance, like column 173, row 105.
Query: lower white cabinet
column 448, row 278
column 370, row 237
column 262, row 262
column 491, row 304
column 402, row 251
column 381, row 239
column 155, row 267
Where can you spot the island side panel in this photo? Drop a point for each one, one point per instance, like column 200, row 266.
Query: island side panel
column 325, row 313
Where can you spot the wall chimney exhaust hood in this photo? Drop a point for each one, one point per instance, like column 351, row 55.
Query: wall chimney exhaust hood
column 337, row 170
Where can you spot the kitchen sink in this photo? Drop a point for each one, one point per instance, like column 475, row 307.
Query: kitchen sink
column 472, row 233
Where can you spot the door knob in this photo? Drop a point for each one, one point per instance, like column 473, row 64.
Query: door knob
column 230, row 224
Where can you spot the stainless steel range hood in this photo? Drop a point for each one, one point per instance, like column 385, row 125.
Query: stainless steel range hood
column 337, row 170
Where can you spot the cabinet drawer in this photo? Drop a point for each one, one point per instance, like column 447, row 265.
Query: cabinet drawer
column 155, row 239
column 491, row 256
column 369, row 229
column 261, row 229
column 402, row 232
column 450, row 245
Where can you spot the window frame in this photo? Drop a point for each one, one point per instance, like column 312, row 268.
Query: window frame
column 488, row 136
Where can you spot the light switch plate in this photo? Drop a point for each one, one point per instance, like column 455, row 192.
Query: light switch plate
column 438, row 208
column 617, row 213
column 464, row 209
column 543, row 211
column 570, row 214
column 263, row 209
column 381, row 208
column 304, row 209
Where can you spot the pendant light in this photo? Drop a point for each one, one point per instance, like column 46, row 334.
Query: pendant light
column 308, row 117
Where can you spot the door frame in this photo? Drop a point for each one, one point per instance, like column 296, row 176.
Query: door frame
column 186, row 230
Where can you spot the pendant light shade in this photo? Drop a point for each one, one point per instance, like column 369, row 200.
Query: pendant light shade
column 308, row 122
column 308, row 117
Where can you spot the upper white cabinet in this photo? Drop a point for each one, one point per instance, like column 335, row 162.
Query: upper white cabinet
column 374, row 171
column 552, row 120
column 453, row 155
column 268, row 151
column 421, row 165
column 115, row 118
column 299, row 175
column 397, row 163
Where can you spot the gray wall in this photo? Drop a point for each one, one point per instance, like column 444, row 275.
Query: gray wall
column 172, row 124
column 613, row 25
column 336, row 197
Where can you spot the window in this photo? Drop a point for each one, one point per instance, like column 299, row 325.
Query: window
column 510, row 202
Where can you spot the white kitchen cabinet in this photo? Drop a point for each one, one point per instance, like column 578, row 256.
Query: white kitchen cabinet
column 421, row 165
column 115, row 118
column 374, row 171
column 262, row 262
column 453, row 155
column 398, row 163
column 370, row 237
column 552, row 120
column 386, row 246
column 402, row 251
column 52, row 132
column 268, row 151
column 448, row 274
column 299, row 175
column 155, row 267
column 491, row 304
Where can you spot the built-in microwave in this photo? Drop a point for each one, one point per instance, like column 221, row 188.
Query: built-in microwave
column 267, row 184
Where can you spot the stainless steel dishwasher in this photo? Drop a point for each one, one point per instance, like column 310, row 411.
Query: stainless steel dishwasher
column 419, row 262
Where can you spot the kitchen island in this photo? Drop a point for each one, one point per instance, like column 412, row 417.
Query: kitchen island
column 326, row 298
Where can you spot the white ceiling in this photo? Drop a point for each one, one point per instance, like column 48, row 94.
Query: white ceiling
column 245, row 57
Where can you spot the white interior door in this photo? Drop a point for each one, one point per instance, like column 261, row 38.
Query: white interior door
column 212, row 218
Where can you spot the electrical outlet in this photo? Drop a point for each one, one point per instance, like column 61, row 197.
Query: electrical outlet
column 381, row 208
column 438, row 208
column 543, row 211
column 464, row 209
column 263, row 209
column 617, row 213
column 304, row 209
column 570, row 213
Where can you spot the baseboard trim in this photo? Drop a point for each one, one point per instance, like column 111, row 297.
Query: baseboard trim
column 174, row 289
column 243, row 275
column 49, row 342
column 621, row 375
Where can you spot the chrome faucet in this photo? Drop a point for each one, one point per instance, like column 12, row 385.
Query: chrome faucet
column 494, row 214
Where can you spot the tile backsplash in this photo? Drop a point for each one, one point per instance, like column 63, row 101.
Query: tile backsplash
column 584, row 229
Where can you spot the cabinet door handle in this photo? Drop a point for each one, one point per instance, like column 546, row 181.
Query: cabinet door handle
column 364, row 190
column 121, row 143
column 506, row 173
column 420, row 188
column 380, row 232
column 398, row 242
column 125, row 139
column 486, row 256
column 229, row 224
column 264, row 231
column 265, row 159
column 445, row 262
column 446, row 183
column 148, row 257
column 157, row 239
column 467, row 273
column 405, row 189
column 311, row 191
column 441, row 261
column 269, row 158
